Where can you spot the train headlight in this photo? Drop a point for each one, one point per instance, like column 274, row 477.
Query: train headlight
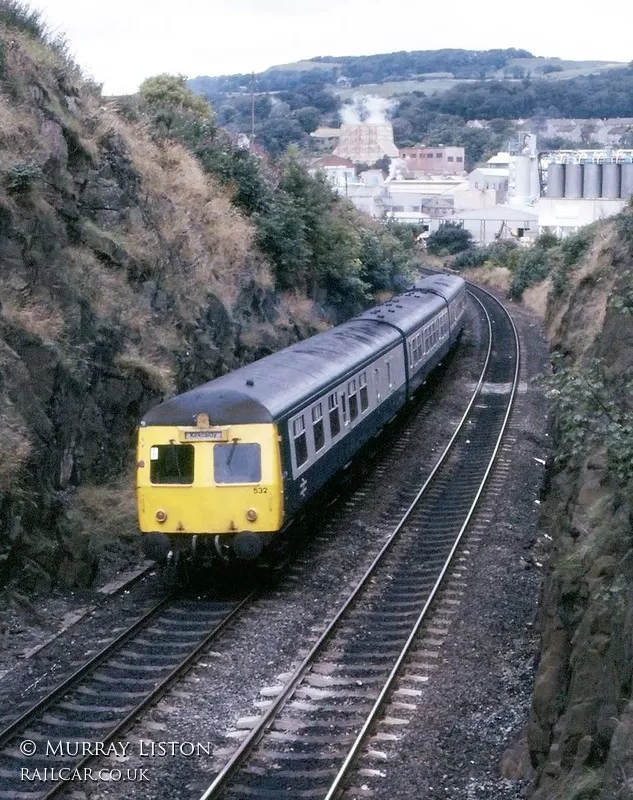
column 251, row 515
column 161, row 515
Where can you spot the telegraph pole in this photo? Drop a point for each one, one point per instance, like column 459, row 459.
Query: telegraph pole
column 252, row 108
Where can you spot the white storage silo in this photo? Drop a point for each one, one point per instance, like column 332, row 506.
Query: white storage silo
column 626, row 185
column 573, row 180
column 522, row 176
column 611, row 180
column 591, row 180
column 555, row 180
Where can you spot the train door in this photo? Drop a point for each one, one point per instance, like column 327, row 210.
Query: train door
column 377, row 384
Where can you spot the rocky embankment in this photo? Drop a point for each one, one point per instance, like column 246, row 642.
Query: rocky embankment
column 125, row 274
column 581, row 726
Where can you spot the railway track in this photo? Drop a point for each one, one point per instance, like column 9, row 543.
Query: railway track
column 100, row 699
column 305, row 744
column 104, row 595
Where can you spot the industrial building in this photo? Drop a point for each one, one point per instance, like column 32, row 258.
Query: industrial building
column 519, row 193
column 558, row 191
column 589, row 174
column 441, row 160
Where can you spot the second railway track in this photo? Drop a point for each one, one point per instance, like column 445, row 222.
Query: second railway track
column 100, row 699
column 305, row 743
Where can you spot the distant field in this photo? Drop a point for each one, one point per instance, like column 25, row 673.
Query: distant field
column 398, row 87
column 574, row 73
column 304, row 66
column 570, row 69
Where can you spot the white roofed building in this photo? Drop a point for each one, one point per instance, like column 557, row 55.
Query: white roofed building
column 500, row 161
column 487, row 225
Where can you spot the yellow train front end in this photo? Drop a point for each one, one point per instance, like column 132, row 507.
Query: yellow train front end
column 208, row 491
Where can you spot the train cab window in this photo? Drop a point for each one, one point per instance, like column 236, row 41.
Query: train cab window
column 300, row 441
column 353, row 399
column 364, row 396
column 335, row 419
column 237, row 463
column 171, row 463
column 317, row 427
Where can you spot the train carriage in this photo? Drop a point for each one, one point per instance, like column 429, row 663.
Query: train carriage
column 224, row 467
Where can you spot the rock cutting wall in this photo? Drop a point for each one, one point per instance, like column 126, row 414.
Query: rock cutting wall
column 125, row 275
column 581, row 727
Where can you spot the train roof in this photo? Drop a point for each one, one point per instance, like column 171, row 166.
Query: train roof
column 427, row 297
column 407, row 311
column 446, row 286
column 264, row 390
column 273, row 386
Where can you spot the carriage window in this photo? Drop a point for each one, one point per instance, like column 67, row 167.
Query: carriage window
column 171, row 463
column 444, row 325
column 435, row 332
column 335, row 420
column 353, row 399
column 317, row 427
column 377, row 384
column 364, row 397
column 237, row 463
column 389, row 381
column 300, row 441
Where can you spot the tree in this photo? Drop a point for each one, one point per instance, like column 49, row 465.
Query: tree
column 175, row 110
column 170, row 91
column 549, row 68
column 277, row 133
column 308, row 117
column 626, row 139
column 449, row 239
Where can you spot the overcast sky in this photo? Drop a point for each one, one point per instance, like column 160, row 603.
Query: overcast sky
column 121, row 42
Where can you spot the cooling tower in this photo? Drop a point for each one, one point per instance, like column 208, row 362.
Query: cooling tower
column 365, row 143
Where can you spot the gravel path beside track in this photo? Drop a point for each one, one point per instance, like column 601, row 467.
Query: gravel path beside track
column 471, row 715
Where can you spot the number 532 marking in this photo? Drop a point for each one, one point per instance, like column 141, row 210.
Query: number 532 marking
column 260, row 490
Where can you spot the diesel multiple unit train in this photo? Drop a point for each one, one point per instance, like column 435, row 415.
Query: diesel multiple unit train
column 224, row 468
